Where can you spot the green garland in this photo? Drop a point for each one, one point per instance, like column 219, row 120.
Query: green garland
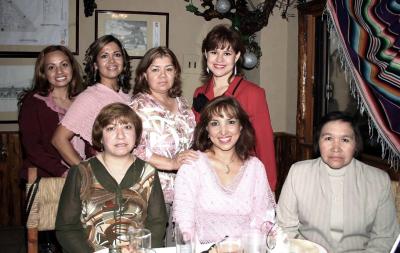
column 246, row 22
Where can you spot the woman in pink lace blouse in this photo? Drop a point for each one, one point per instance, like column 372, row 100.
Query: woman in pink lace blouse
column 168, row 121
column 225, row 192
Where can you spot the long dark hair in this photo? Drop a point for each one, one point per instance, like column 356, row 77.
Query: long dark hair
column 228, row 105
column 92, row 75
column 41, row 85
column 141, row 84
column 220, row 37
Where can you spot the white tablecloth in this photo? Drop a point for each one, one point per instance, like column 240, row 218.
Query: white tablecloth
column 201, row 248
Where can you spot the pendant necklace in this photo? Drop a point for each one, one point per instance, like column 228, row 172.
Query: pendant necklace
column 226, row 165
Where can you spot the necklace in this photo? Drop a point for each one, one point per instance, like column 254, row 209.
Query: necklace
column 226, row 165
column 117, row 171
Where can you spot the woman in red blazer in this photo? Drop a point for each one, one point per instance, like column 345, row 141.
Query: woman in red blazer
column 222, row 50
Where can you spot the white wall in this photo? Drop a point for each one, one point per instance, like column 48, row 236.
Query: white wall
column 278, row 71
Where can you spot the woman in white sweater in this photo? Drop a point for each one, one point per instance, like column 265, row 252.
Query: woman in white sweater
column 336, row 200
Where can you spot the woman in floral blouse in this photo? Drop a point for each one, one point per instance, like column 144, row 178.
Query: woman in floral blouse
column 168, row 121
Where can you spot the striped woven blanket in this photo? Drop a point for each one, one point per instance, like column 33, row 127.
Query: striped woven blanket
column 369, row 32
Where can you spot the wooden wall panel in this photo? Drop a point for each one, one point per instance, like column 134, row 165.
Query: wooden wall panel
column 11, row 193
column 285, row 154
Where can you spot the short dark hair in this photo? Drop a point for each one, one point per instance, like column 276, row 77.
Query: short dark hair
column 141, row 84
column 229, row 105
column 115, row 111
column 92, row 74
column 339, row 116
column 218, row 38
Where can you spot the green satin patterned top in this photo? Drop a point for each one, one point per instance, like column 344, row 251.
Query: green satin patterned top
column 94, row 210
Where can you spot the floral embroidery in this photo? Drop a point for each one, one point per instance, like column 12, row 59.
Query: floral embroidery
column 164, row 133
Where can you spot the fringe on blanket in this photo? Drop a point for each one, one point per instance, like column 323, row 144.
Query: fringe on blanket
column 387, row 149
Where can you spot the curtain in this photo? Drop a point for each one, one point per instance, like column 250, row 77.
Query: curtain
column 369, row 35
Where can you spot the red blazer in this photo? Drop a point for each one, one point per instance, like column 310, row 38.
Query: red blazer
column 252, row 98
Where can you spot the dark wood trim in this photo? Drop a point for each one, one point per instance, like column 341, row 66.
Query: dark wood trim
column 11, row 190
column 306, row 79
column 285, row 154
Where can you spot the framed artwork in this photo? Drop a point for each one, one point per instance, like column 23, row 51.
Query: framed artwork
column 28, row 26
column 138, row 31
column 14, row 78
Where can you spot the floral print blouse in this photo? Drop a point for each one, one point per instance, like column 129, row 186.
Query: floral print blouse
column 164, row 133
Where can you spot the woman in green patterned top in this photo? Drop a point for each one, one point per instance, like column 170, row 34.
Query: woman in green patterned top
column 114, row 190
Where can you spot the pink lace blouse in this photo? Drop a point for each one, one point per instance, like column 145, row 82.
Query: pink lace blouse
column 205, row 207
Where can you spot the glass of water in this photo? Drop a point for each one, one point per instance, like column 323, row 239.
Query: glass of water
column 185, row 242
column 139, row 238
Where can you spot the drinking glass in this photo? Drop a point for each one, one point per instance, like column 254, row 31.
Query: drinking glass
column 230, row 245
column 143, row 250
column 139, row 238
column 185, row 243
column 126, row 249
column 254, row 242
column 121, row 242
column 114, row 249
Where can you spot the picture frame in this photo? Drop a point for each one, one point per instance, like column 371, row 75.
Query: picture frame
column 15, row 78
column 138, row 31
column 27, row 34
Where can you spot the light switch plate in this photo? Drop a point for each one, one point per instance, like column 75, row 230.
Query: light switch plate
column 191, row 63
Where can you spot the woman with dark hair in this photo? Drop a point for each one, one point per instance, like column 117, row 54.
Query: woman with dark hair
column 56, row 82
column 222, row 51
column 107, row 69
column 106, row 195
column 336, row 200
column 168, row 122
column 225, row 192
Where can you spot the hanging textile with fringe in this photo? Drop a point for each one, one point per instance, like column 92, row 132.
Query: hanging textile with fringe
column 369, row 35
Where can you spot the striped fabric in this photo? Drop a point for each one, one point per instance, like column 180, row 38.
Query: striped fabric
column 369, row 32
column 45, row 205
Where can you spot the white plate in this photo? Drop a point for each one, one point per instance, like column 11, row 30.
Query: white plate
column 309, row 243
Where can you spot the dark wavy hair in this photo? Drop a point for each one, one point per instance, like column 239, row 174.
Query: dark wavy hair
column 221, row 37
column 339, row 116
column 230, row 106
column 141, row 84
column 41, row 85
column 92, row 75
column 115, row 111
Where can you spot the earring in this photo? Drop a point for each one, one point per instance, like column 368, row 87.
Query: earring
column 235, row 70
column 95, row 76
column 208, row 70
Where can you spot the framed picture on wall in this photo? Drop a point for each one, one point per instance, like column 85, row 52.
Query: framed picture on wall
column 14, row 78
column 28, row 26
column 138, row 31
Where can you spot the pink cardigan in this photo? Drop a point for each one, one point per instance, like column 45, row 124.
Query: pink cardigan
column 205, row 207
column 83, row 111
